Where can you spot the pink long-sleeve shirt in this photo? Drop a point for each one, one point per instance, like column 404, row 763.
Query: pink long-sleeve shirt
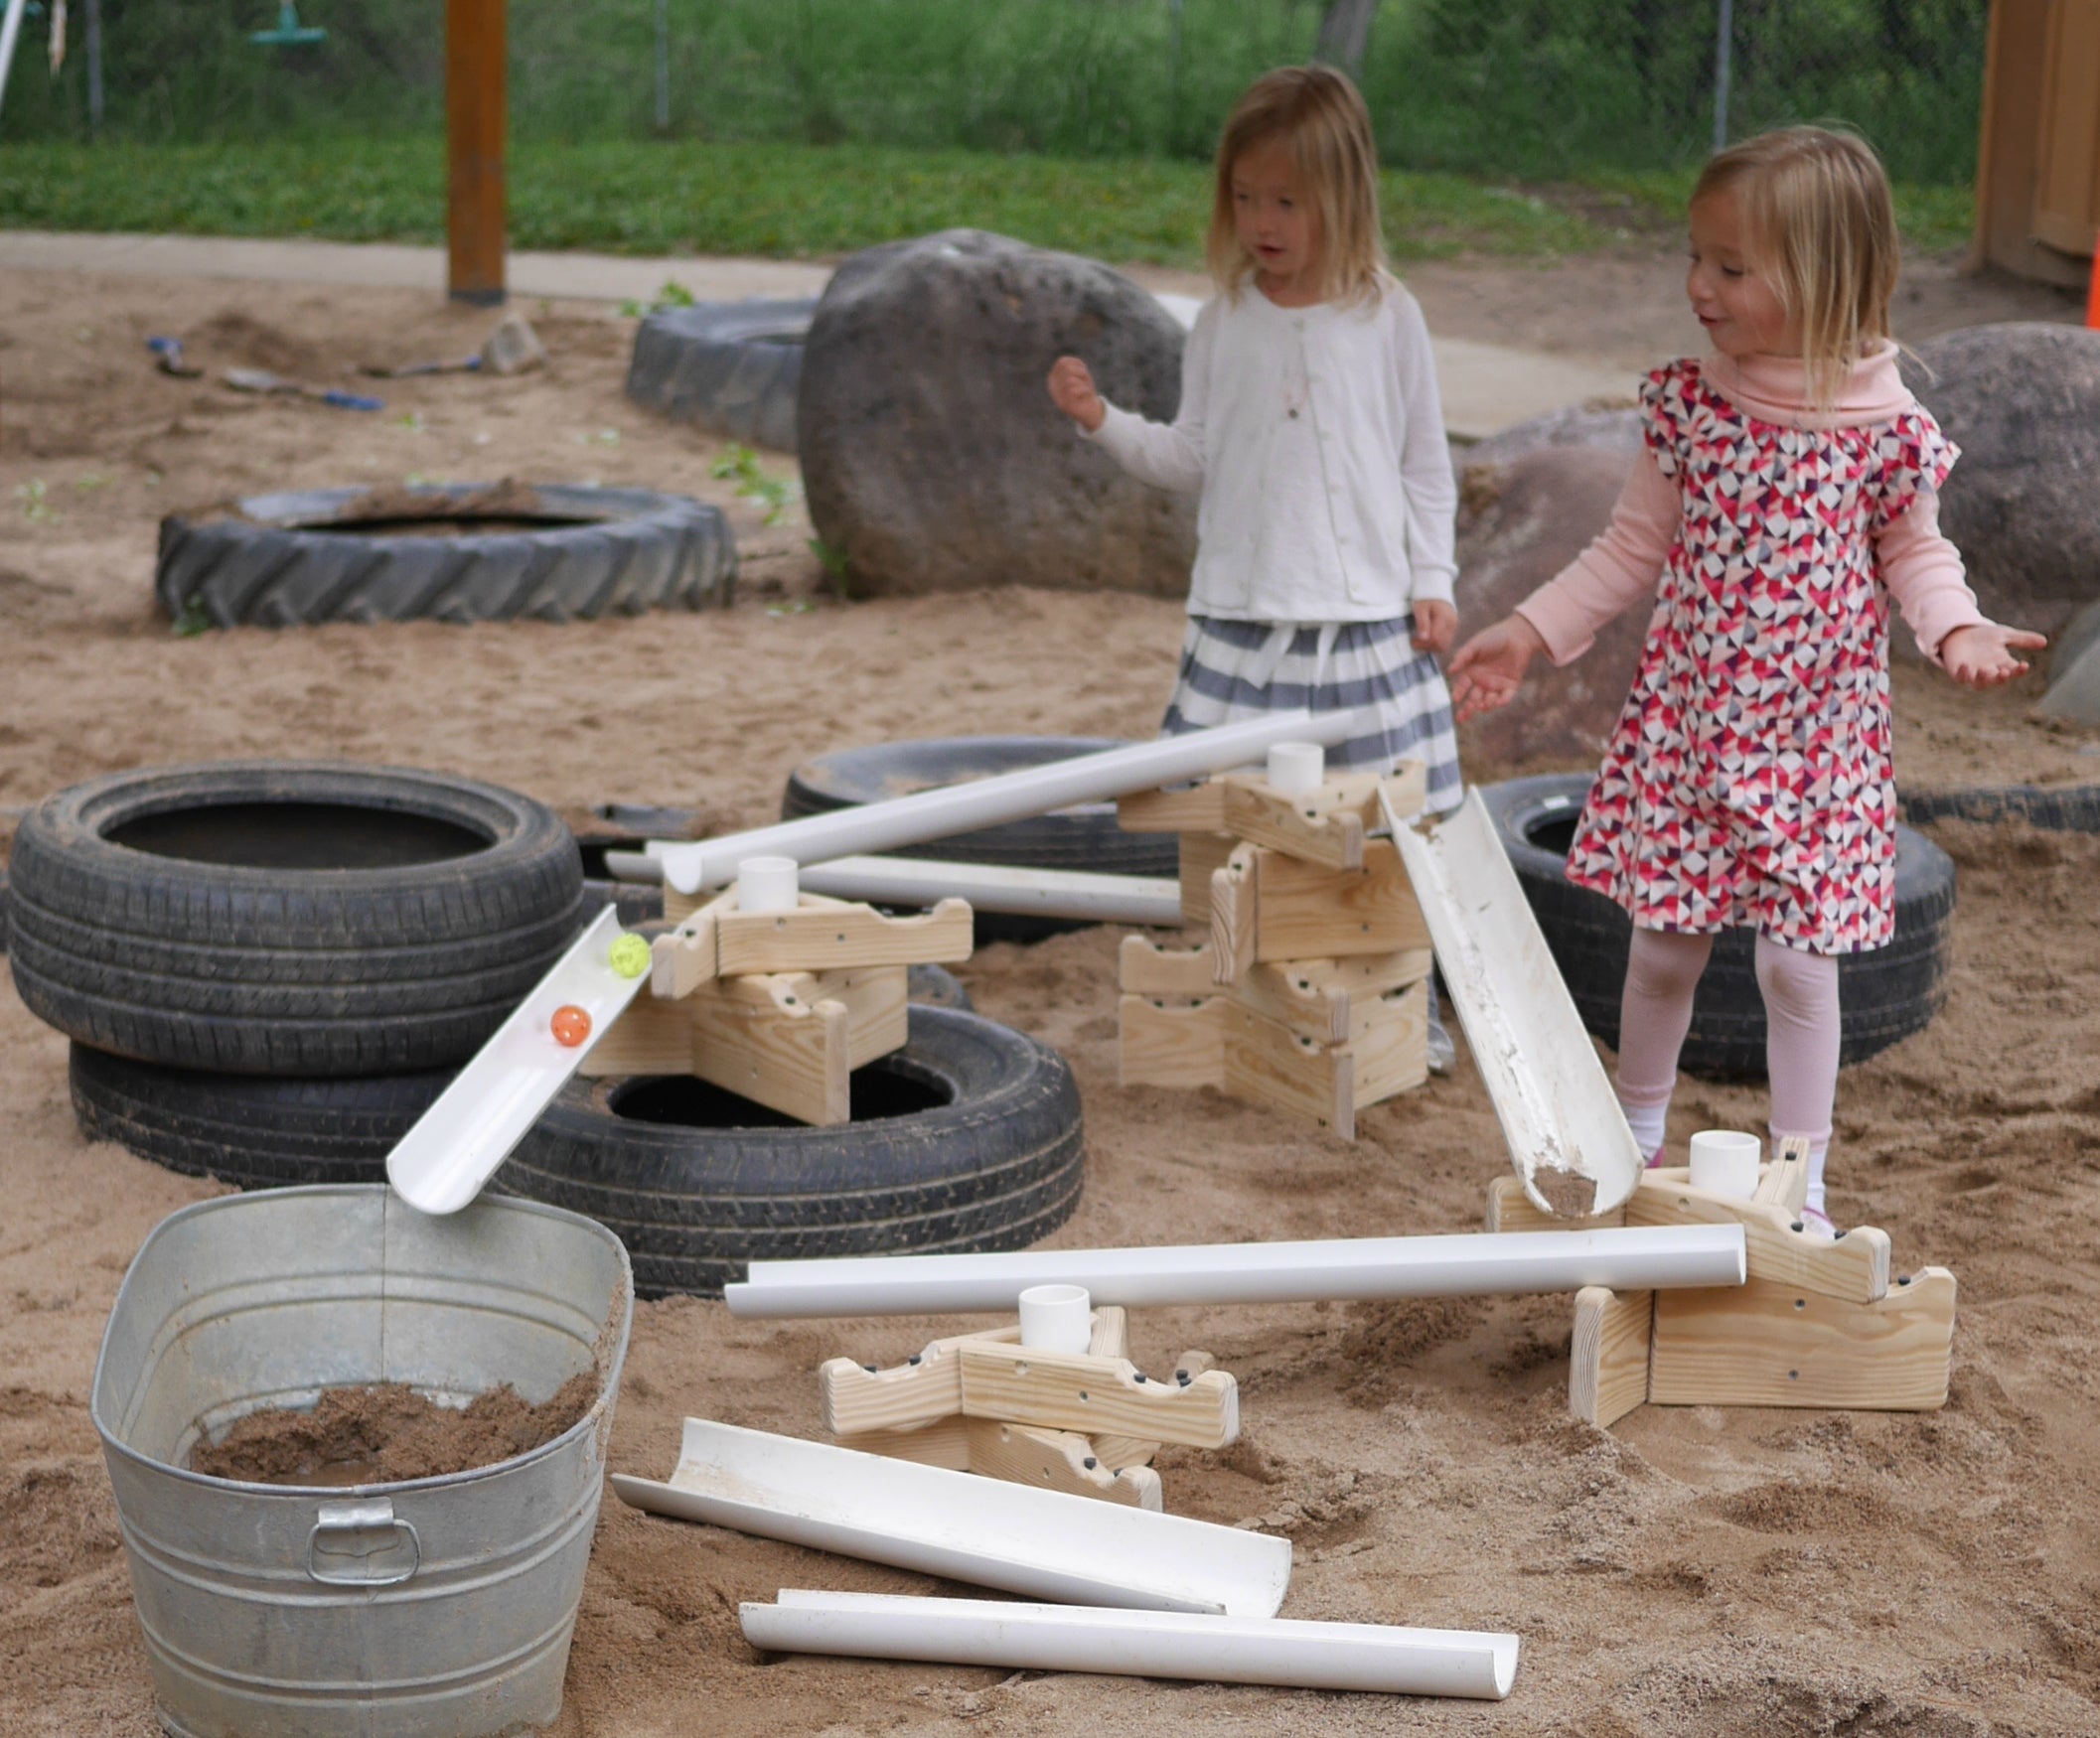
column 1921, row 569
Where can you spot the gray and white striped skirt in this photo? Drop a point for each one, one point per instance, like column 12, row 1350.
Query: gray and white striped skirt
column 1232, row 671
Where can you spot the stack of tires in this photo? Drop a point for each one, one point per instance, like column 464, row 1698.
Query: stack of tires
column 268, row 969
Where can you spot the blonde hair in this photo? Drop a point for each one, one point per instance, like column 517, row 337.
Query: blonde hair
column 1317, row 115
column 1818, row 226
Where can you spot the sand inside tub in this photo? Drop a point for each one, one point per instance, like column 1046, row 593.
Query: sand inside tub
column 383, row 1434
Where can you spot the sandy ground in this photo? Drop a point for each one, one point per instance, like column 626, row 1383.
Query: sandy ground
column 1698, row 1571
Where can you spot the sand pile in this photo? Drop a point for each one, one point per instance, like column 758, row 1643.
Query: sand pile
column 1729, row 1574
column 378, row 1435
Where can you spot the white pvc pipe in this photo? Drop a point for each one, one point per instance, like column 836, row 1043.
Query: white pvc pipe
column 1724, row 1161
column 1346, row 1269
column 925, row 816
column 1296, row 768
column 1148, row 1644
column 1056, row 1318
column 1144, row 900
column 767, row 884
column 1148, row 901
column 1042, row 1545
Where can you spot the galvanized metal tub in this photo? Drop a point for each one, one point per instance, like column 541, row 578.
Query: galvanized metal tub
column 430, row 1608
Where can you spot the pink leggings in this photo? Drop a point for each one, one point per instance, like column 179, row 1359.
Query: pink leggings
column 1800, row 1020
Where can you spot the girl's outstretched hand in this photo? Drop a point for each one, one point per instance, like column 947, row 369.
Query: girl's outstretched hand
column 1435, row 625
column 1981, row 655
column 1072, row 392
column 1487, row 670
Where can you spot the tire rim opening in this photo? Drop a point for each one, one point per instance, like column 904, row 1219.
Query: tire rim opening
column 886, row 1088
column 440, row 525
column 1552, row 832
column 298, row 835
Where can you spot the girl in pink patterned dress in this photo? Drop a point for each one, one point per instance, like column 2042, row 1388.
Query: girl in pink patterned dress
column 1788, row 493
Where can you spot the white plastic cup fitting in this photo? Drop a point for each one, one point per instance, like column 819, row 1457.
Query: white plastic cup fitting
column 1725, row 1162
column 767, row 884
column 1296, row 768
column 1057, row 1318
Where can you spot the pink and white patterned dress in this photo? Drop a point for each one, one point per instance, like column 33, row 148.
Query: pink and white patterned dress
column 1748, row 781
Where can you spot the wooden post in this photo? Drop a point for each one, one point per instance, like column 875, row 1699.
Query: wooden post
column 475, row 125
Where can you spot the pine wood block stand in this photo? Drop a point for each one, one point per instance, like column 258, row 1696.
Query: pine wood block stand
column 1309, row 997
column 1817, row 1325
column 1086, row 1423
column 778, row 1006
column 787, row 1040
column 716, row 940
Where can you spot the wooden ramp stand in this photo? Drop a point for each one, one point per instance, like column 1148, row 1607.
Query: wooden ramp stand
column 1818, row 1324
column 1085, row 1424
column 778, row 1006
column 1310, row 995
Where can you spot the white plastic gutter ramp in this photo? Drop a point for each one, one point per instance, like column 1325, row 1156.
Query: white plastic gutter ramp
column 1148, row 1643
column 926, row 815
column 1337, row 1270
column 1568, row 1136
column 441, row 1163
column 986, row 1531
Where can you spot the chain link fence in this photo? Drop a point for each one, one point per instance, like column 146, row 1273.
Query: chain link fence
column 1522, row 90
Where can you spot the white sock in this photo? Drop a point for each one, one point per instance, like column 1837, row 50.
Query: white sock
column 1816, row 1155
column 1650, row 1123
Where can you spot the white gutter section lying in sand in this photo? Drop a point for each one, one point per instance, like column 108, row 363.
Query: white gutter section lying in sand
column 1020, row 1539
column 1149, row 1644
column 1342, row 1269
column 926, row 815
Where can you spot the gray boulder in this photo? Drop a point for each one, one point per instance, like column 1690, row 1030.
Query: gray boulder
column 932, row 457
column 1519, row 523
column 2074, row 670
column 1613, row 430
column 2023, row 504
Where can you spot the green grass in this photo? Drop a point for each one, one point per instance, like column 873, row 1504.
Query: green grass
column 803, row 201
column 1933, row 219
column 1534, row 90
column 782, row 201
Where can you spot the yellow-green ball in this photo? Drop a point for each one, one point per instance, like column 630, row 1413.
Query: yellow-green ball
column 630, row 956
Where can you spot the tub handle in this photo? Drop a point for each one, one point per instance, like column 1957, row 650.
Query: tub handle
column 350, row 1527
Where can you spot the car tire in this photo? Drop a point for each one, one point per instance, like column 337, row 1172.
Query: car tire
column 1884, row 995
column 288, row 918
column 967, row 1138
column 248, row 1130
column 2066, row 808
column 562, row 552
column 732, row 368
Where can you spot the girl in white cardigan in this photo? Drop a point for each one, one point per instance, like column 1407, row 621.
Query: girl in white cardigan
column 1310, row 424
